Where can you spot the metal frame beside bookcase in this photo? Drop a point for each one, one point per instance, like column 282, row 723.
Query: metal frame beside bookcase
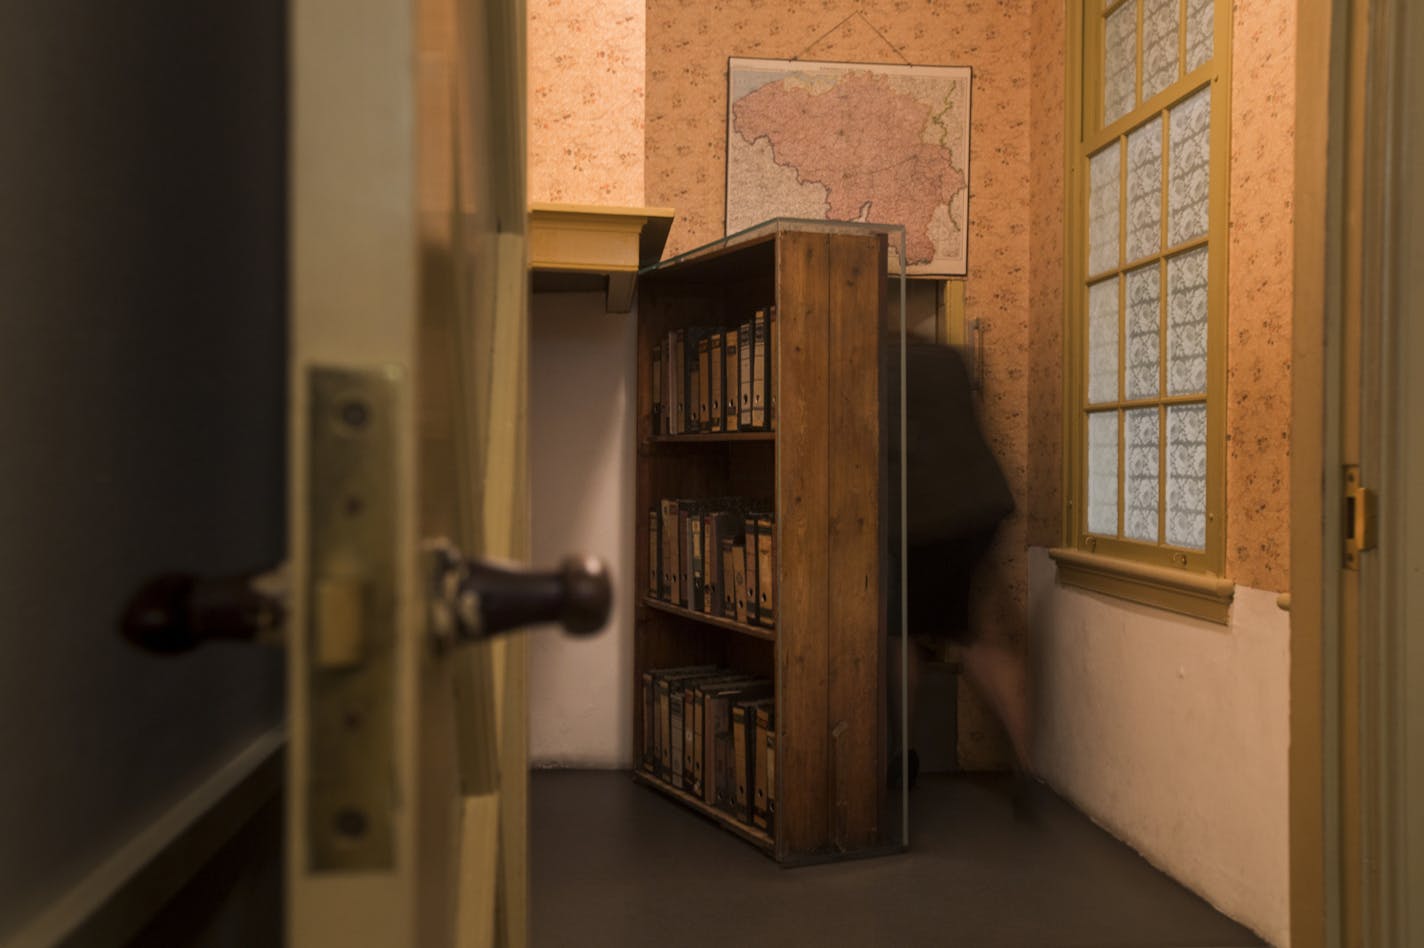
column 826, row 468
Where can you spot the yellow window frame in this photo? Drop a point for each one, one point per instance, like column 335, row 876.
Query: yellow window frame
column 1169, row 577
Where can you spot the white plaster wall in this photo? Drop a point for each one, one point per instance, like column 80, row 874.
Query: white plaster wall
column 1173, row 734
column 581, row 405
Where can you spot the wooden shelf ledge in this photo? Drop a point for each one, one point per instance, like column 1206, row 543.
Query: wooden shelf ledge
column 751, row 834
column 755, row 631
column 714, row 437
column 579, row 247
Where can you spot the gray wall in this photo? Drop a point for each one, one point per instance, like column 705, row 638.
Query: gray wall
column 141, row 404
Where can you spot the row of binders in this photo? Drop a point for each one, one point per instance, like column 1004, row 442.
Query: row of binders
column 709, row 379
column 716, row 556
column 711, row 732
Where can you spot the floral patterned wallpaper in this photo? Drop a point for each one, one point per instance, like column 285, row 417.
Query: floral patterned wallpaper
column 585, row 101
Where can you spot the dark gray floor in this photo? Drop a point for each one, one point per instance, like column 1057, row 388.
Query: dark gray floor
column 614, row 864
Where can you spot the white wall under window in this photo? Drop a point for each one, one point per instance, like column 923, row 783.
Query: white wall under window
column 1173, row 734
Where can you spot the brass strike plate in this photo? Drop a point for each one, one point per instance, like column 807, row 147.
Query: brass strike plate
column 351, row 618
column 1359, row 516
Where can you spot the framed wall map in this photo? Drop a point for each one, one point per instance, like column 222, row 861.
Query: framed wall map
column 853, row 142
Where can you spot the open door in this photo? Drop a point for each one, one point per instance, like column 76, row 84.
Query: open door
column 1357, row 658
column 407, row 763
column 407, row 490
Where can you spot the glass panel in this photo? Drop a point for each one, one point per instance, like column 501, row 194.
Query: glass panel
column 1187, row 322
column 1189, row 180
column 1120, row 63
column 1104, row 201
column 1186, row 476
column 1144, row 190
column 1159, row 46
column 1102, row 342
column 1200, row 25
column 894, row 810
column 1140, row 499
column 1144, row 320
column 1102, row 473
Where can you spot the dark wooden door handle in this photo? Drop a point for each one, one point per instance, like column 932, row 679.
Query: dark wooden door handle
column 476, row 599
column 176, row 612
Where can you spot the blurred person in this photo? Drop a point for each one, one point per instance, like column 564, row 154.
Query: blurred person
column 956, row 498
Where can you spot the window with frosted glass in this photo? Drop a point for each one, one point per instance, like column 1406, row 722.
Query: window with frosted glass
column 1186, row 476
column 1102, row 342
column 1144, row 190
column 1189, row 180
column 1147, row 275
column 1102, row 473
column 1144, row 444
column 1187, row 322
column 1200, row 26
column 1144, row 320
column 1104, row 202
column 1119, row 62
column 1159, row 45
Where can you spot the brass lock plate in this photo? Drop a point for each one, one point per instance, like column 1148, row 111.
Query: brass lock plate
column 351, row 618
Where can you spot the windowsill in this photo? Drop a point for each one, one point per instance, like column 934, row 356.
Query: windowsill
column 1193, row 594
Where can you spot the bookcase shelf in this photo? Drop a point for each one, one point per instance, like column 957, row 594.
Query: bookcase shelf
column 755, row 631
column 751, row 834
column 823, row 481
column 715, row 437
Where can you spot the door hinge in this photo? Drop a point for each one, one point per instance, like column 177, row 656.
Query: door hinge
column 1360, row 517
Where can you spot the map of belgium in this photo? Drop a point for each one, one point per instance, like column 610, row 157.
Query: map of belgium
column 837, row 141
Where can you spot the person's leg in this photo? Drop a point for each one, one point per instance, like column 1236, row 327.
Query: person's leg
column 1000, row 675
column 995, row 664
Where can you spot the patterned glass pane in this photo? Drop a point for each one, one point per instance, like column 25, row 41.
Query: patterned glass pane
column 1186, row 476
column 1142, row 437
column 1104, row 200
column 1102, row 473
column 1199, row 29
column 1144, row 320
column 1159, row 46
column 1188, row 180
column 1102, row 342
column 1186, row 322
column 1120, row 63
column 1144, row 190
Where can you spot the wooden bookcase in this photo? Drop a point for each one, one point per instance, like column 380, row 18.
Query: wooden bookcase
column 826, row 470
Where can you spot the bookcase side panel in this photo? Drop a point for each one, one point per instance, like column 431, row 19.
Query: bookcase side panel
column 803, row 444
column 855, row 628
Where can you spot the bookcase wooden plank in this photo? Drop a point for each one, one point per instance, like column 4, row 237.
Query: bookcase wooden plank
column 803, row 445
column 853, row 628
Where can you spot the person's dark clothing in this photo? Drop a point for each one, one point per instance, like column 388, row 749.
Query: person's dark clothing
column 956, row 493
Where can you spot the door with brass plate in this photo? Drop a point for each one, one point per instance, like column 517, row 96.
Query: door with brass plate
column 408, row 491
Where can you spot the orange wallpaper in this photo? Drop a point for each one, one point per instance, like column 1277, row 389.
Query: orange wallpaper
column 586, row 101
column 688, row 48
column 1259, row 326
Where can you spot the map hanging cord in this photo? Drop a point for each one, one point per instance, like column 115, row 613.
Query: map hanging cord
column 858, row 13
